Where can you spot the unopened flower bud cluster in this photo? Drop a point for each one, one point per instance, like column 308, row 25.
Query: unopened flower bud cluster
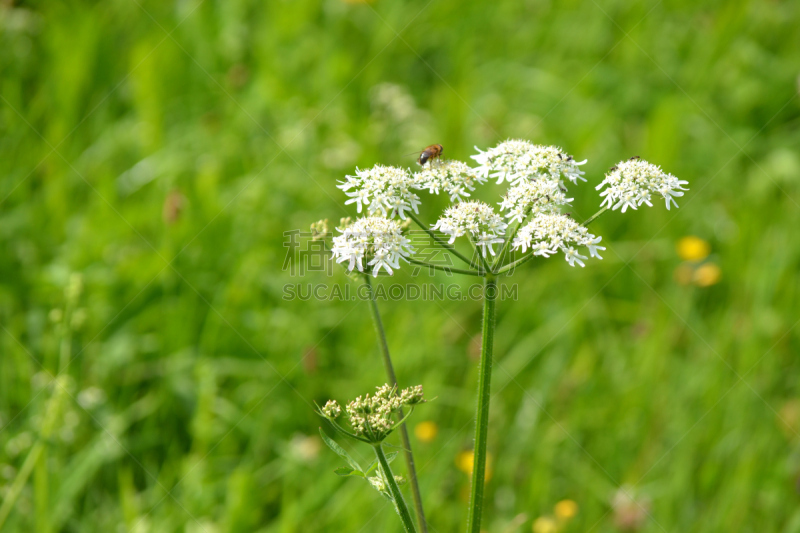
column 372, row 416
column 319, row 230
column 331, row 409
column 632, row 183
column 475, row 218
column 379, row 482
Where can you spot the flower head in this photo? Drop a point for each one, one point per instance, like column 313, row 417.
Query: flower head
column 533, row 197
column 516, row 161
column 372, row 417
column 547, row 234
column 384, row 190
column 631, row 184
column 319, row 230
column 476, row 218
column 453, row 177
column 331, row 409
column 379, row 240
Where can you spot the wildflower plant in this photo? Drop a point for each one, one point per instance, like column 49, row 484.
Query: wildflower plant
column 371, row 419
column 526, row 223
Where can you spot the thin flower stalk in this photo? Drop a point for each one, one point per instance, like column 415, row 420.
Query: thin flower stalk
column 390, row 374
column 445, row 268
column 441, row 242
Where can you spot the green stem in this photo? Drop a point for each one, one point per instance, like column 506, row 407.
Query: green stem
column 446, row 268
column 397, row 496
column 20, row 480
column 507, row 242
column 482, row 412
column 524, row 259
column 441, row 242
column 477, row 252
column 593, row 217
column 387, row 363
column 37, row 456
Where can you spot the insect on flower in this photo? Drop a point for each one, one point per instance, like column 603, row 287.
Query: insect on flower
column 430, row 153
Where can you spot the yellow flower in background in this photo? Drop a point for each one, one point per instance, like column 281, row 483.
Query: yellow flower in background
column 691, row 248
column 565, row 509
column 545, row 524
column 466, row 459
column 707, row 274
column 426, row 431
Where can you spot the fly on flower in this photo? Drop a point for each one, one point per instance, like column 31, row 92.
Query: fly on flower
column 430, row 153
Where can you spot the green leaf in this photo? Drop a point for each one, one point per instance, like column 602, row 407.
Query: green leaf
column 345, row 471
column 339, row 451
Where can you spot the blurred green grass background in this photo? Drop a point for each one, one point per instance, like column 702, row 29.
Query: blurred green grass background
column 161, row 149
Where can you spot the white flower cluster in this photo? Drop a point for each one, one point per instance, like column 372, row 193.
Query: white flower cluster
column 534, row 198
column 515, row 161
column 453, row 177
column 474, row 217
column 547, row 234
column 378, row 239
column 384, row 190
column 372, row 416
column 631, row 184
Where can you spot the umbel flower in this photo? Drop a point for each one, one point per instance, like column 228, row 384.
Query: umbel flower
column 378, row 240
column 372, row 417
column 631, row 184
column 516, row 161
column 453, row 177
column 534, row 198
column 384, row 190
column 476, row 219
column 547, row 234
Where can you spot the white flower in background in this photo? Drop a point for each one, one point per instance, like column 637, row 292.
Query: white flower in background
column 515, row 161
column 631, row 184
column 547, row 234
column 476, row 218
column 453, row 177
column 379, row 240
column 534, row 198
column 381, row 189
